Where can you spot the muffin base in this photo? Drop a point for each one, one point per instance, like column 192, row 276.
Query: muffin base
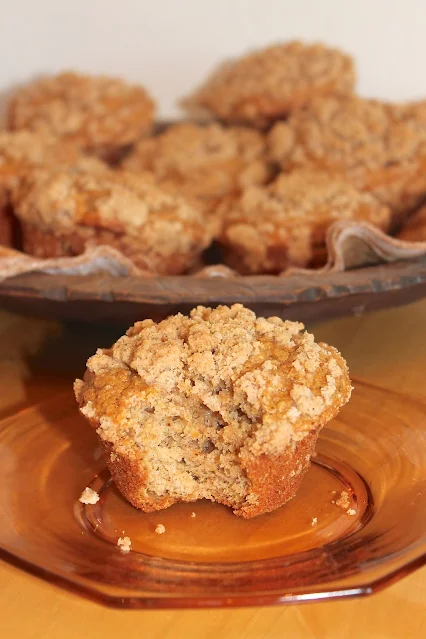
column 274, row 479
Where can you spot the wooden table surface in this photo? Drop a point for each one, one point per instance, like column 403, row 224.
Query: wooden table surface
column 38, row 358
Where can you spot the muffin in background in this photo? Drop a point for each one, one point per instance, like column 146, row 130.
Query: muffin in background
column 285, row 223
column 379, row 147
column 268, row 84
column 204, row 162
column 100, row 114
column 20, row 151
column 64, row 211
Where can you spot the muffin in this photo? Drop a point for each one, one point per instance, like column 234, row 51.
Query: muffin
column 379, row 147
column 65, row 211
column 102, row 115
column 19, row 151
column 284, row 224
column 270, row 83
column 204, row 162
column 216, row 405
column 415, row 228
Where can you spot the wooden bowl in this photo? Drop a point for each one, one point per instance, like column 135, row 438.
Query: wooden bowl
column 102, row 298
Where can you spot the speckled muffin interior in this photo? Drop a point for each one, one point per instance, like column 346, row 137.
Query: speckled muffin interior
column 218, row 405
column 270, row 83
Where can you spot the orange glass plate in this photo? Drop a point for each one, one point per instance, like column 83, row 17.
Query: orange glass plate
column 311, row 548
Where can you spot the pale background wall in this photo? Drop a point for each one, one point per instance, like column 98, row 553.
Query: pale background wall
column 170, row 44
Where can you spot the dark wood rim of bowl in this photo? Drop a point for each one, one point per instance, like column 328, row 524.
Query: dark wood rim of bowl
column 101, row 296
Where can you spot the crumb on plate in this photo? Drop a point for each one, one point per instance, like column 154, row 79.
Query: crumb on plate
column 89, row 496
column 160, row 529
column 124, row 543
column 343, row 501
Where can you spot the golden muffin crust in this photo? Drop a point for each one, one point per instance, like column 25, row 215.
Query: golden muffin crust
column 380, row 147
column 98, row 113
column 203, row 161
column 218, row 405
column 414, row 230
column 270, row 228
column 65, row 211
column 270, row 83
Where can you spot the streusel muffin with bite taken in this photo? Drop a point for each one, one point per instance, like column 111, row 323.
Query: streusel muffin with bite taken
column 217, row 405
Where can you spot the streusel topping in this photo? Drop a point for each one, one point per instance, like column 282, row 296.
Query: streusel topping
column 207, row 161
column 271, row 82
column 261, row 382
column 29, row 148
column 89, row 110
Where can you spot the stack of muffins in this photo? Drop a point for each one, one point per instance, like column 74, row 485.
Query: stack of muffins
column 283, row 149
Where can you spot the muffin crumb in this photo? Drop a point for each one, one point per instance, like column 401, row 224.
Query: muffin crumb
column 124, row 543
column 351, row 511
column 343, row 501
column 314, row 521
column 193, row 515
column 89, row 496
column 160, row 529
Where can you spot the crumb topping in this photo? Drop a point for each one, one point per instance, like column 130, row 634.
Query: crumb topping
column 125, row 544
column 263, row 377
column 160, row 529
column 90, row 110
column 34, row 148
column 206, row 160
column 271, row 82
column 351, row 135
column 273, row 226
column 89, row 496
